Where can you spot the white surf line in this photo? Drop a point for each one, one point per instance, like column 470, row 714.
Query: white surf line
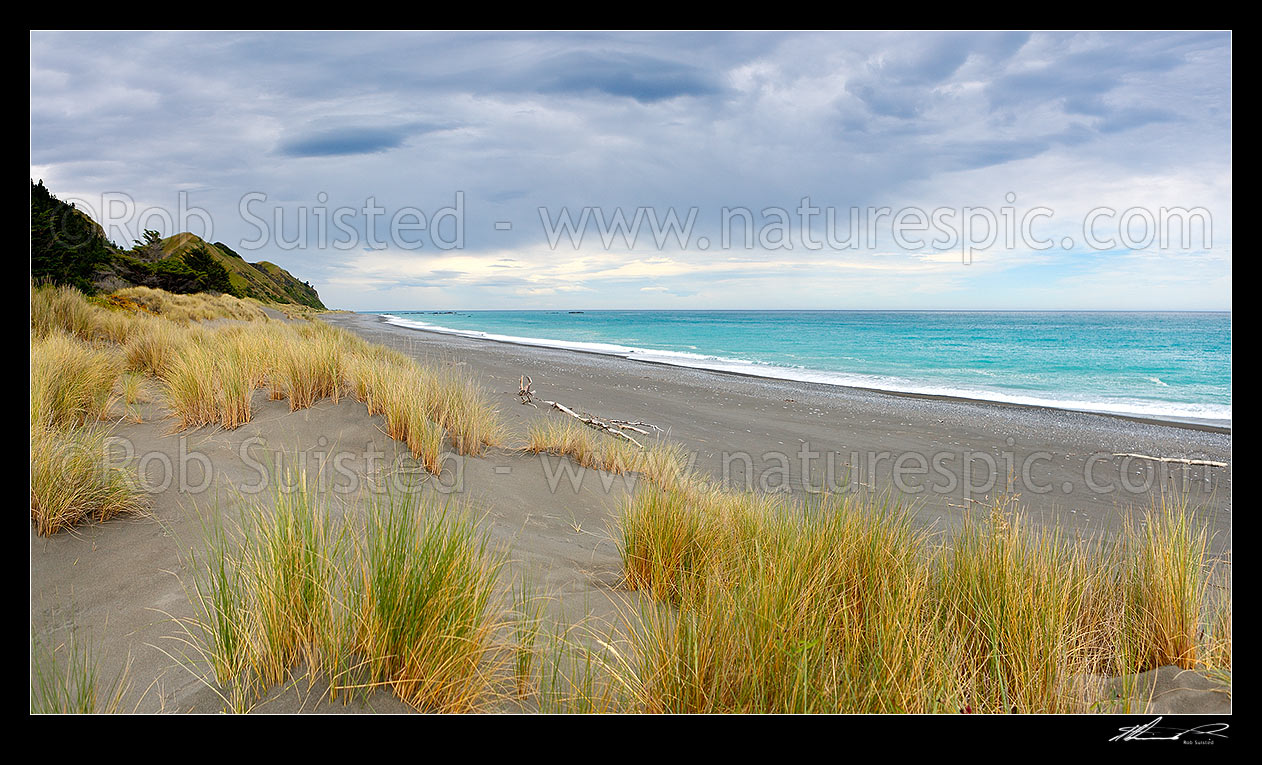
column 1176, row 412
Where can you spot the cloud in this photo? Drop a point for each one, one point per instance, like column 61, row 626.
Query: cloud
column 342, row 141
column 644, row 78
column 517, row 122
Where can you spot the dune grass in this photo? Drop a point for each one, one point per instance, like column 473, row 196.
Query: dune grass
column 72, row 482
column 154, row 344
column 662, row 462
column 754, row 602
column 462, row 407
column 527, row 621
column 192, row 387
column 401, row 597
column 213, row 381
column 1215, row 657
column 264, row 589
column 307, row 363
column 666, row 464
column 573, row 439
column 72, row 387
column 290, row 310
column 667, row 541
column 62, row 309
column 131, row 391
column 369, row 375
column 425, row 440
column 419, row 402
column 113, row 317
column 421, row 603
column 66, row 679
column 296, row 551
column 779, row 607
column 1028, row 613
column 72, row 381
column 188, row 308
column 842, row 606
column 208, row 374
column 580, row 670
column 1165, row 589
column 302, row 362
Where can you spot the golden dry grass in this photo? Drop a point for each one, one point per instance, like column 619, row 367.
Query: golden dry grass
column 662, row 462
column 155, row 343
column 72, row 381
column 62, row 309
column 401, row 599
column 841, row 606
column 72, row 481
column 208, row 372
column 131, row 390
column 186, row 308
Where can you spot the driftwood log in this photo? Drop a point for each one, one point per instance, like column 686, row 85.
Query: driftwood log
column 614, row 427
column 1179, row 460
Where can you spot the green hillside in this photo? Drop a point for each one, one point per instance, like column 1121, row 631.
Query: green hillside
column 262, row 280
column 68, row 247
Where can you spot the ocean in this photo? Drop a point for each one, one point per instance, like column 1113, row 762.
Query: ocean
column 1174, row 366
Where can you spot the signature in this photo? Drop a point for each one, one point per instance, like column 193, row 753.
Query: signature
column 1150, row 732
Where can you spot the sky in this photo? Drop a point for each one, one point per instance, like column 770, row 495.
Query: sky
column 436, row 171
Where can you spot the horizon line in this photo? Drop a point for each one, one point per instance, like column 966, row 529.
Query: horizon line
column 799, row 310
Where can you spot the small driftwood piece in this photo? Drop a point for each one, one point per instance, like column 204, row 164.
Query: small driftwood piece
column 526, row 393
column 1179, row 460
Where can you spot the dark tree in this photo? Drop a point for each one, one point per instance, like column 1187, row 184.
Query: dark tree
column 150, row 248
column 67, row 247
column 212, row 276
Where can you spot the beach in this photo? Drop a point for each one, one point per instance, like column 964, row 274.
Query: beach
column 124, row 582
column 733, row 372
column 1170, row 366
column 722, row 418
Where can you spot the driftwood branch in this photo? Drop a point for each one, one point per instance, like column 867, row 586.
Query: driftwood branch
column 1179, row 460
column 526, row 394
column 637, row 426
column 609, row 426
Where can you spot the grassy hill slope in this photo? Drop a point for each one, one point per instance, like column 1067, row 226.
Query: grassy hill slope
column 68, row 247
column 263, row 280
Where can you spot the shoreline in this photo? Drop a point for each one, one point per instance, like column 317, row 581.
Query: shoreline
column 1190, row 423
column 1072, row 470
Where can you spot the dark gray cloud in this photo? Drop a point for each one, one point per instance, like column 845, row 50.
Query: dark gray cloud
column 343, row 141
column 644, row 78
column 521, row 121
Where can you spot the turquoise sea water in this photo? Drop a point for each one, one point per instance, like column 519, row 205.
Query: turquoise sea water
column 1164, row 365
